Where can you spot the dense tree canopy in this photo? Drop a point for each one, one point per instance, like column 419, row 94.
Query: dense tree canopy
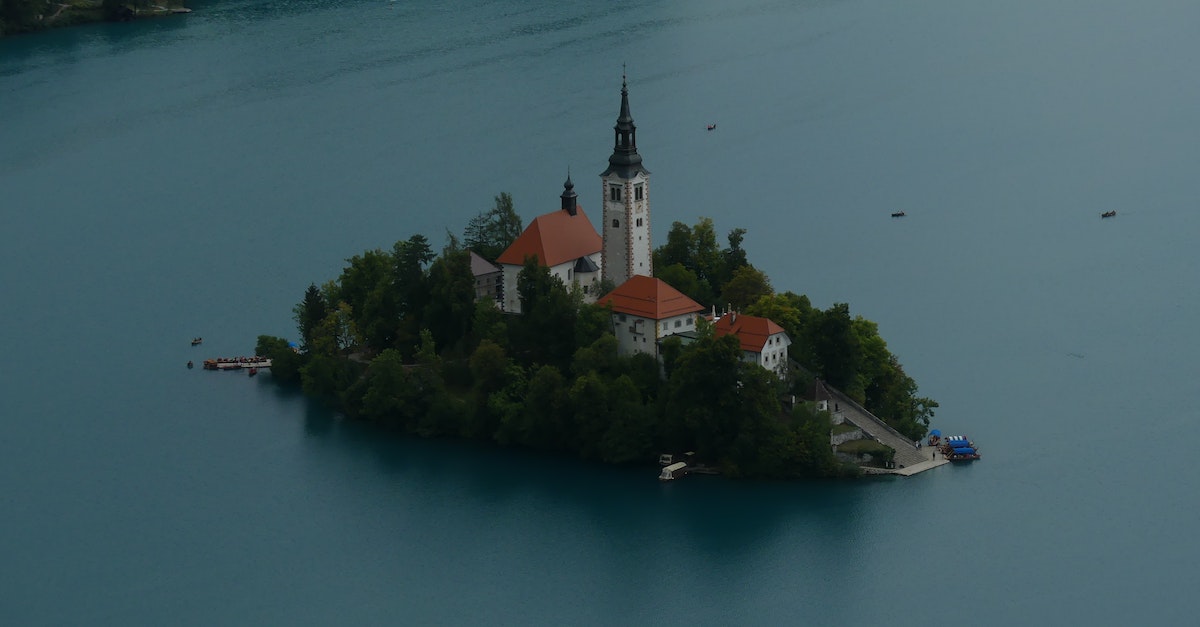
column 399, row 339
column 491, row 232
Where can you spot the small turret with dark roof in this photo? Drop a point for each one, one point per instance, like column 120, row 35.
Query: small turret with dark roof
column 570, row 200
column 625, row 159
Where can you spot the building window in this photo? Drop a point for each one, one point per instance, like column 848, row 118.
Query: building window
column 639, row 222
column 689, row 322
column 614, row 193
column 637, row 191
column 621, row 317
column 616, row 223
column 678, row 323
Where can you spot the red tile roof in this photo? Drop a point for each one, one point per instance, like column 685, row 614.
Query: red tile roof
column 649, row 298
column 554, row 238
column 751, row 331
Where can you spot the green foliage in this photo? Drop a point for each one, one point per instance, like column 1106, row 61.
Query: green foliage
column 309, row 313
column 285, row 362
column 22, row 15
column 553, row 379
column 491, row 232
column 591, row 323
column 693, row 263
column 837, row 350
column 628, row 436
column 543, row 421
column 682, row 279
column 546, row 327
column 452, row 308
column 747, row 285
column 497, row 390
column 490, row 324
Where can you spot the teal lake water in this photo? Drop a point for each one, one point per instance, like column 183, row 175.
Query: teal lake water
column 190, row 176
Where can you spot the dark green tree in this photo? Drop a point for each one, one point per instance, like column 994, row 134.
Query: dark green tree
column 628, row 436
column 544, row 420
column 590, row 397
column 747, row 285
column 285, row 362
column 836, row 349
column 451, row 309
column 546, row 326
column 497, row 389
column 309, row 313
column 684, row 280
column 493, row 231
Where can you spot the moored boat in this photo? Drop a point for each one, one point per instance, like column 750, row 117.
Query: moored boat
column 958, row 448
column 236, row 363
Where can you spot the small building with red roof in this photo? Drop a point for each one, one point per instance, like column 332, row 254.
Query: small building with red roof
column 763, row 342
column 564, row 241
column 645, row 310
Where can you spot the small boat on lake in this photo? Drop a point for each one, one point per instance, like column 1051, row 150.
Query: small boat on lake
column 712, row 127
column 898, row 214
column 253, row 371
column 196, row 341
column 1108, row 214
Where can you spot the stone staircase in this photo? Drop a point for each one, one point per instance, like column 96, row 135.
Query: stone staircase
column 907, row 454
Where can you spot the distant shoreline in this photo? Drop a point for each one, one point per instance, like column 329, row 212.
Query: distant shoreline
column 75, row 12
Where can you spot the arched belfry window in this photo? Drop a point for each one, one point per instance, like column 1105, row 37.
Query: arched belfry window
column 616, row 223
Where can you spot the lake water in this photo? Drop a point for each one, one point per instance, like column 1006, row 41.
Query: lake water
column 191, row 176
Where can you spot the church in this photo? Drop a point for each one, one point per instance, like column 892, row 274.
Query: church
column 566, row 241
column 645, row 310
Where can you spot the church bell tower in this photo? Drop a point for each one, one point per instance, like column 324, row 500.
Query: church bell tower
column 626, row 217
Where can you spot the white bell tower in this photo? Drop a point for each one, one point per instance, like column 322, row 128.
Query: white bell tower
column 626, row 217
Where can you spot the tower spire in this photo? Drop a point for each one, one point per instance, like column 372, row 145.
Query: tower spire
column 570, row 200
column 625, row 158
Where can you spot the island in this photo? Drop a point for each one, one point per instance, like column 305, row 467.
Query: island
column 415, row 341
column 556, row 337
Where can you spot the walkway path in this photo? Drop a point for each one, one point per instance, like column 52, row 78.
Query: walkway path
column 909, row 459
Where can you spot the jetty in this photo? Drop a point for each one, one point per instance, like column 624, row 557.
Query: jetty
column 236, row 363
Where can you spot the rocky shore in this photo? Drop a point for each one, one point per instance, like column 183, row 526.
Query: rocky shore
column 34, row 15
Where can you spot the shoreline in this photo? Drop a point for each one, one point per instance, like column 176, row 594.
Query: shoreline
column 79, row 12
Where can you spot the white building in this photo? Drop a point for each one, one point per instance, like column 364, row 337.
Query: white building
column 763, row 342
column 563, row 240
column 645, row 310
column 626, row 218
